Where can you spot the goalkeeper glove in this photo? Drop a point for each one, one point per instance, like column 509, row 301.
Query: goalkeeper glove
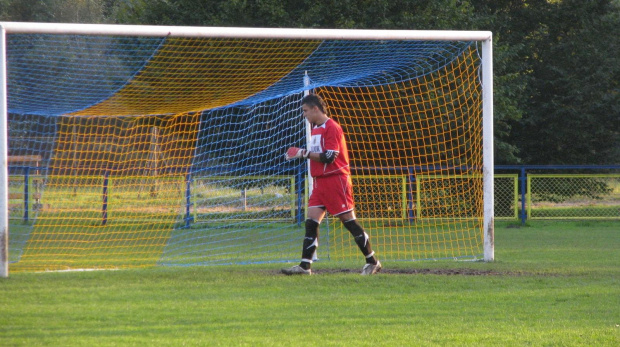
column 296, row 152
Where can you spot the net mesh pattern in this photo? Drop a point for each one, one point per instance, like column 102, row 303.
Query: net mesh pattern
column 169, row 151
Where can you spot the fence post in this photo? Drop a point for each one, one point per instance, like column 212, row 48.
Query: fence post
column 188, row 183
column 522, row 179
column 300, row 194
column 411, row 203
column 26, row 193
column 105, row 199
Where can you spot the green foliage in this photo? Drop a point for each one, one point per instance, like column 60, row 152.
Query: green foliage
column 556, row 67
column 4, row 8
column 509, row 87
column 556, row 63
column 370, row 14
column 574, row 105
column 60, row 11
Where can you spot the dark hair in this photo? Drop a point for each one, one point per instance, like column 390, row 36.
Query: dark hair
column 314, row 100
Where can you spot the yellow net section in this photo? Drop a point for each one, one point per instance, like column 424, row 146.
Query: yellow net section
column 416, row 154
column 189, row 74
column 111, row 201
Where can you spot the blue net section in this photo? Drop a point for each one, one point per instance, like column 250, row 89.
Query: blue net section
column 242, row 188
column 54, row 75
column 364, row 63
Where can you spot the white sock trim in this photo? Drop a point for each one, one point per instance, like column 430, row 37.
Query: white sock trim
column 307, row 261
column 372, row 254
column 315, row 243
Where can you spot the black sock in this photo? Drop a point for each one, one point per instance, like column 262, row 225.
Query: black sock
column 361, row 239
column 311, row 243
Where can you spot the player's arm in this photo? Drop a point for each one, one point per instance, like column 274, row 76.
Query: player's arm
column 326, row 157
column 296, row 152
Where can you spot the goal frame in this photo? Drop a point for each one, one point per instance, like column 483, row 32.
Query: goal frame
column 485, row 37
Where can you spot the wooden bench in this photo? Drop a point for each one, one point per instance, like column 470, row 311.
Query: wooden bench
column 25, row 159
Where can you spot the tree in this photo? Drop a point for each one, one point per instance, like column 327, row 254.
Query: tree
column 367, row 14
column 556, row 63
column 59, row 11
column 573, row 111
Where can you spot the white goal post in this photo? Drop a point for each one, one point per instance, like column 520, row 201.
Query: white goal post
column 485, row 37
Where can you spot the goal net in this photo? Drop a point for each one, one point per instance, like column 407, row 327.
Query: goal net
column 165, row 146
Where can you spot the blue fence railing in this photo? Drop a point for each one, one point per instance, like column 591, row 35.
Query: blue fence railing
column 523, row 171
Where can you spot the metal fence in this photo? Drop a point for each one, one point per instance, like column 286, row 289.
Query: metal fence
column 521, row 193
column 557, row 192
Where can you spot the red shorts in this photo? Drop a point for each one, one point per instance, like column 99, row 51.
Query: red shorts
column 334, row 193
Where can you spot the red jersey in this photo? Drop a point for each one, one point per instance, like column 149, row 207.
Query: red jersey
column 329, row 137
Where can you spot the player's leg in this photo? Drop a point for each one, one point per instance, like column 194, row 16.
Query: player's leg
column 316, row 212
column 359, row 234
column 310, row 244
column 343, row 198
column 363, row 243
column 311, row 239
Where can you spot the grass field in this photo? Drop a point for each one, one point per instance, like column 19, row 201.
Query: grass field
column 552, row 284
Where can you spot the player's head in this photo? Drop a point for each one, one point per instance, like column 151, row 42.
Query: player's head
column 314, row 109
column 313, row 100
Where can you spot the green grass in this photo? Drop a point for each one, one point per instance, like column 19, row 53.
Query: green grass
column 552, row 284
column 600, row 212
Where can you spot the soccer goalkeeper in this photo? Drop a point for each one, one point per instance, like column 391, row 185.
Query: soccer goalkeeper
column 333, row 190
